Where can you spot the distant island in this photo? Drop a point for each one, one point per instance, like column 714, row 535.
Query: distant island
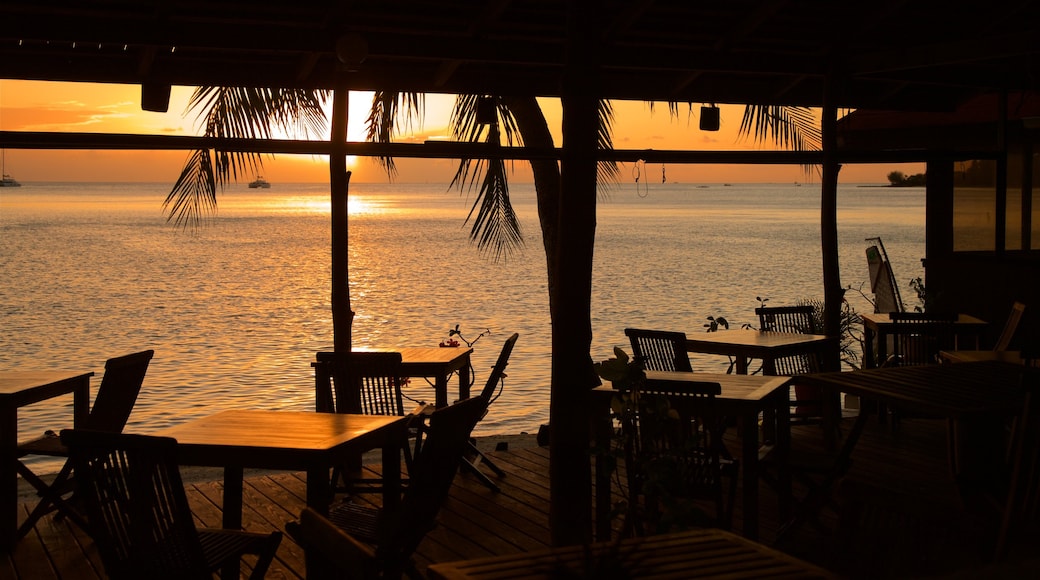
column 899, row 179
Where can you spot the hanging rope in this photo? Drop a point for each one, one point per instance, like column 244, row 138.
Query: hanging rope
column 637, row 172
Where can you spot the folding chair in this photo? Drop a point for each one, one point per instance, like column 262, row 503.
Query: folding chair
column 113, row 403
column 492, row 390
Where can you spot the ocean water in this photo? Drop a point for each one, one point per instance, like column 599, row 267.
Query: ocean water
column 236, row 310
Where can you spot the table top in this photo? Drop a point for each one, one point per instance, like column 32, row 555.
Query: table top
column 702, row 553
column 738, row 392
column 39, row 385
column 748, row 340
column 278, row 439
column 883, row 319
column 949, row 390
column 1008, row 356
column 426, row 355
column 737, row 387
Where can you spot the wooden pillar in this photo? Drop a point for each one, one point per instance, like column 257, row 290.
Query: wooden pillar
column 833, row 292
column 570, row 510
column 339, row 181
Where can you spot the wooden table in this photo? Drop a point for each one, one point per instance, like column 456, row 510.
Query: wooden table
column 878, row 327
column 292, row 441
column 743, row 397
column 703, row 553
column 969, row 394
column 434, row 362
column 18, row 389
column 745, row 344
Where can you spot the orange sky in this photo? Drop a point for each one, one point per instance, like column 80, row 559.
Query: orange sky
column 45, row 106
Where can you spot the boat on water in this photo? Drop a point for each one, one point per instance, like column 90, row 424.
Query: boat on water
column 259, row 182
column 6, row 180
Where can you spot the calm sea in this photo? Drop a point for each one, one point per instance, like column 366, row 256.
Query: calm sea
column 236, row 311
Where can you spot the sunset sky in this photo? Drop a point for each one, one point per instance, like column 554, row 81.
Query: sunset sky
column 48, row 106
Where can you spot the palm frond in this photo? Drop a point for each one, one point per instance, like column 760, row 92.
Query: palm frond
column 243, row 113
column 608, row 172
column 384, row 118
column 187, row 203
column 794, row 128
column 496, row 228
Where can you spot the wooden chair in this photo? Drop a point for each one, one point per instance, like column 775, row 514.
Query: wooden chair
column 810, row 404
column 917, row 341
column 660, row 350
column 394, row 535
column 332, row 554
column 367, row 383
column 138, row 512
column 1004, row 340
column 492, row 390
column 920, row 338
column 113, row 403
column 675, row 459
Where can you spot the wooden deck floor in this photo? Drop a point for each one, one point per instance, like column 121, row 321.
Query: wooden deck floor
column 478, row 522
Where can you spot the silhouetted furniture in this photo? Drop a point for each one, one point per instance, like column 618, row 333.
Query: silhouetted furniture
column 809, row 405
column 674, row 458
column 702, row 554
column 416, row 361
column 19, row 389
column 492, row 390
column 964, row 393
column 139, row 515
column 394, row 532
column 745, row 397
column 918, row 337
column 743, row 344
column 1010, row 326
column 660, row 350
column 881, row 329
column 369, row 383
column 113, row 404
column 292, row 441
column 333, row 553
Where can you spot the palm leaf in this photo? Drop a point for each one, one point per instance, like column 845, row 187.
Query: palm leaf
column 384, row 118
column 237, row 113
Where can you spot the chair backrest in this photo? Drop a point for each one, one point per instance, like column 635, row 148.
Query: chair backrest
column 430, row 478
column 793, row 319
column 660, row 350
column 498, row 372
column 677, row 447
column 366, row 382
column 921, row 336
column 136, row 505
column 1010, row 326
column 333, row 553
column 796, row 319
column 118, row 392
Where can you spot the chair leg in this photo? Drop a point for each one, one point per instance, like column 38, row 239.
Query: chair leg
column 51, row 498
column 481, row 458
column 470, row 467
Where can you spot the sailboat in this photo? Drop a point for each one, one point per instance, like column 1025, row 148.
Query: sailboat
column 7, row 180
